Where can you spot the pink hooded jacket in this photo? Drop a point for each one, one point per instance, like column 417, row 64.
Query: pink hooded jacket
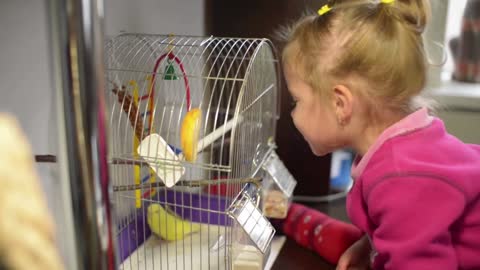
column 416, row 194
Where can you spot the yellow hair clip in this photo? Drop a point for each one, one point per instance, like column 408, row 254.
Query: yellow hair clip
column 387, row 1
column 324, row 9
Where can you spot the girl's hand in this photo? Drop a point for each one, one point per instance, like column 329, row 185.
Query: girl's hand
column 356, row 257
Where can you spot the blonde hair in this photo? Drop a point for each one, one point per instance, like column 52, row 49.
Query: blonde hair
column 379, row 42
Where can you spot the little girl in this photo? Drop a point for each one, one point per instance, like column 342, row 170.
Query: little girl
column 355, row 71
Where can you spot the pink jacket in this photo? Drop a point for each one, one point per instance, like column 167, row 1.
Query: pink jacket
column 416, row 194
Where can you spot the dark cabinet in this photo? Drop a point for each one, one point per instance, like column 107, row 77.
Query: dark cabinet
column 262, row 18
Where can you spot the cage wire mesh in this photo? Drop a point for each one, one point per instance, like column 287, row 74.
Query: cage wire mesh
column 153, row 83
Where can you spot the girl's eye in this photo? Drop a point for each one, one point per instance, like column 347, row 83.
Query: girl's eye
column 294, row 103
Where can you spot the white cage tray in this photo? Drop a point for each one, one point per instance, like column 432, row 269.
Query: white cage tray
column 153, row 253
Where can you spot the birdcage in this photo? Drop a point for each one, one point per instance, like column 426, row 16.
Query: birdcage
column 192, row 121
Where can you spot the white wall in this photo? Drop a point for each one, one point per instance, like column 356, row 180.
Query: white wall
column 25, row 86
column 24, row 73
column 181, row 17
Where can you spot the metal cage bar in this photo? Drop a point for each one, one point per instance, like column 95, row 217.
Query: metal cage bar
column 77, row 53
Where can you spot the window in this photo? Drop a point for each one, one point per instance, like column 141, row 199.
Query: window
column 452, row 30
column 446, row 24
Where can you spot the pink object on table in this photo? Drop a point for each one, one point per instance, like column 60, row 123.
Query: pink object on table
column 314, row 230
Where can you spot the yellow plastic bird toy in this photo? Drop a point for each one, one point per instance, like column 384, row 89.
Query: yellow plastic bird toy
column 167, row 225
column 189, row 134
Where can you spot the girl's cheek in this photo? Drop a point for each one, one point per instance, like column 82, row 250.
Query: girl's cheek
column 295, row 118
column 293, row 114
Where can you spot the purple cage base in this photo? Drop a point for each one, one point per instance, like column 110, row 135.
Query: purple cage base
column 138, row 231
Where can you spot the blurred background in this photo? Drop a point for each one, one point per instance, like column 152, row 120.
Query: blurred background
column 26, row 84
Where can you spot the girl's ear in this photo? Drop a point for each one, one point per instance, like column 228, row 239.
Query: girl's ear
column 343, row 103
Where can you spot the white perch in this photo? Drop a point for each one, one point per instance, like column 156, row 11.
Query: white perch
column 163, row 161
